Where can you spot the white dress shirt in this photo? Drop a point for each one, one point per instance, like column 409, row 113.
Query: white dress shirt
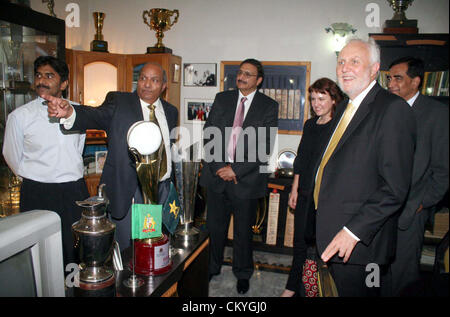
column 35, row 148
column 247, row 104
column 160, row 116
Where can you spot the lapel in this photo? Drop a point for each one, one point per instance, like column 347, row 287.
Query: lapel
column 252, row 111
column 136, row 107
column 231, row 105
column 363, row 110
column 419, row 107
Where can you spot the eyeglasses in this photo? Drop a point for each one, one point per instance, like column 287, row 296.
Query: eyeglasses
column 245, row 74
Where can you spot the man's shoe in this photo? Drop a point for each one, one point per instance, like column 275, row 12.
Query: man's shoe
column 242, row 286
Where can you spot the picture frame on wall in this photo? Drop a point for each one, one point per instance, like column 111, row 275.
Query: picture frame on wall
column 285, row 82
column 197, row 110
column 200, row 74
column 100, row 158
column 176, row 73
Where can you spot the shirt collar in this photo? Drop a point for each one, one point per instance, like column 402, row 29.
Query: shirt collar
column 157, row 103
column 249, row 97
column 357, row 101
column 413, row 99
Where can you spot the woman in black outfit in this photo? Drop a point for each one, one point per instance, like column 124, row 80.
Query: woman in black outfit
column 324, row 95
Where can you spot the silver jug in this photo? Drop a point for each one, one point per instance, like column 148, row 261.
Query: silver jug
column 94, row 236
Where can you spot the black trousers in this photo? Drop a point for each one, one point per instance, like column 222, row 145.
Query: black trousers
column 220, row 206
column 60, row 198
column 353, row 280
column 406, row 266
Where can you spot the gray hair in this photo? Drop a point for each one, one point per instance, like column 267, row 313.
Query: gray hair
column 372, row 47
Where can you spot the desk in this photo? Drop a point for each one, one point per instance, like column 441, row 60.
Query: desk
column 188, row 276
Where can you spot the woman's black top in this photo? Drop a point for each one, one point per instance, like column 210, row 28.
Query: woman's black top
column 309, row 151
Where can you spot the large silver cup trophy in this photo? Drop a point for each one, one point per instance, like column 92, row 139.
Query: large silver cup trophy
column 186, row 173
column 94, row 237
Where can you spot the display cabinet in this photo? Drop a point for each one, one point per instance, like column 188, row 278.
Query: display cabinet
column 24, row 35
column 94, row 74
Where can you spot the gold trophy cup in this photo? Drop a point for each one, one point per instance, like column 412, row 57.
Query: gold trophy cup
column 98, row 44
column 160, row 20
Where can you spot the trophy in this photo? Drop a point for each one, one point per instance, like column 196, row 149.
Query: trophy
column 186, row 174
column 159, row 20
column 94, row 237
column 151, row 255
column 399, row 23
column 98, row 44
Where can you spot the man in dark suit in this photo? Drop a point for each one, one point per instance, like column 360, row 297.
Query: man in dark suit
column 117, row 113
column 430, row 170
column 363, row 176
column 234, row 170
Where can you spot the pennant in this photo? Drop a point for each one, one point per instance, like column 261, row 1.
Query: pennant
column 146, row 221
column 171, row 210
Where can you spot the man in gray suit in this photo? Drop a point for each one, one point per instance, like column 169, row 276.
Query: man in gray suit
column 430, row 170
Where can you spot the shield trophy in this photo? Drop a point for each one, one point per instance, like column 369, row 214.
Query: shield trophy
column 186, row 174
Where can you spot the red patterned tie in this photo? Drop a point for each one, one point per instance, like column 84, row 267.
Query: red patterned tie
column 237, row 128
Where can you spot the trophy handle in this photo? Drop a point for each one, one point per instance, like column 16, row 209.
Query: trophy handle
column 137, row 156
column 145, row 19
column 176, row 18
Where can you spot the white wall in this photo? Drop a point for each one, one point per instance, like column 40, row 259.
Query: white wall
column 215, row 30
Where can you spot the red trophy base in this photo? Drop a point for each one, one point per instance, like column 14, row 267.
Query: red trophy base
column 152, row 256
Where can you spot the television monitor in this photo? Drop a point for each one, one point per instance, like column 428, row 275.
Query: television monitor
column 31, row 258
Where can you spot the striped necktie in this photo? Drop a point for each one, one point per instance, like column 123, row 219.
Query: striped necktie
column 340, row 129
column 237, row 128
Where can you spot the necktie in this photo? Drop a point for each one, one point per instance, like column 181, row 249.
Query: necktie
column 340, row 129
column 237, row 128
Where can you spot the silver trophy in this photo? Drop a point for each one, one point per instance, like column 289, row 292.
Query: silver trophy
column 186, row 174
column 94, row 237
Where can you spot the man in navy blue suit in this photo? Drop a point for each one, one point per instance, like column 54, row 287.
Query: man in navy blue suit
column 235, row 179
column 117, row 113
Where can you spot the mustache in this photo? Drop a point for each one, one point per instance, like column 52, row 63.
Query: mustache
column 241, row 81
column 42, row 86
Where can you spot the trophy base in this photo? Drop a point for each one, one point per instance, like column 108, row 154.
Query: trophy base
column 133, row 282
column 99, row 46
column 187, row 233
column 152, row 256
column 158, row 50
column 94, row 274
column 400, row 26
column 102, row 289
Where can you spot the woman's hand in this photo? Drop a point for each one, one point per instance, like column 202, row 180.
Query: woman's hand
column 292, row 202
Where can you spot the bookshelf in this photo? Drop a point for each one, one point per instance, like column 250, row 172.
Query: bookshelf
column 431, row 48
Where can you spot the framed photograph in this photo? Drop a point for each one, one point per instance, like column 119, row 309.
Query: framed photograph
column 285, row 82
column 176, row 71
column 200, row 75
column 100, row 158
column 197, row 110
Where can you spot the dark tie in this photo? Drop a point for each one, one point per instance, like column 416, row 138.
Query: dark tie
column 237, row 128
